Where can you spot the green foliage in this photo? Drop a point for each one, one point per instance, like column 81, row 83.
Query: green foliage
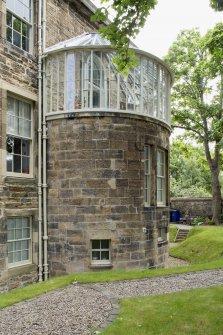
column 195, row 312
column 130, row 17
column 217, row 4
column 189, row 171
column 204, row 244
column 197, row 97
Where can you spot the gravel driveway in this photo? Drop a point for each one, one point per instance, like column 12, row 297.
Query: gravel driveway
column 81, row 309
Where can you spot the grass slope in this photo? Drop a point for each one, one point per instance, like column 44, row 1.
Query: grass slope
column 204, row 244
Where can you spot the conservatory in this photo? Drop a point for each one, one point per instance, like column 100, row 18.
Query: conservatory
column 106, row 159
column 81, row 76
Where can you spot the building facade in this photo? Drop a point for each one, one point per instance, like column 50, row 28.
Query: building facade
column 84, row 150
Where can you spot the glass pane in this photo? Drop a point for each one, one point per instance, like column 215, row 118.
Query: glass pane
column 26, row 232
column 16, row 39
column 17, row 164
column 10, row 124
column 26, row 223
column 9, row 19
column 18, row 256
column 9, row 35
column 95, row 255
column 26, row 128
column 19, row 9
column 9, row 162
column 10, row 235
column 18, row 234
column 10, row 247
column 19, row 223
column 18, row 245
column 25, row 165
column 25, row 148
column 10, row 4
column 25, row 43
column 10, row 143
column 104, row 244
column 11, row 223
column 95, row 244
column 25, row 245
column 104, row 255
column 17, row 146
column 27, row 111
column 17, row 25
column 25, row 255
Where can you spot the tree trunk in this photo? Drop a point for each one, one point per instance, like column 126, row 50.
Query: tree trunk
column 216, row 196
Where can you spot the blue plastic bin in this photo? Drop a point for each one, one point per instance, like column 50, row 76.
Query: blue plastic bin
column 174, row 215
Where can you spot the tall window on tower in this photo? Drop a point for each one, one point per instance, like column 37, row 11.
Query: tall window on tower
column 147, row 175
column 19, row 23
column 161, row 178
column 19, row 134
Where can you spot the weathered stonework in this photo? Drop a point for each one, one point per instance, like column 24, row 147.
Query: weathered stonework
column 94, row 168
column 194, row 207
column 95, row 191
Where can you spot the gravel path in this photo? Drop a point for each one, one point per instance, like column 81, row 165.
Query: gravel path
column 81, row 309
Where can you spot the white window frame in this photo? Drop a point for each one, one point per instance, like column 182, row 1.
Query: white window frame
column 11, row 8
column 21, row 137
column 161, row 178
column 15, row 241
column 147, row 175
column 100, row 250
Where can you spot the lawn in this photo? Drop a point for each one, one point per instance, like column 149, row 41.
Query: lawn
column 195, row 312
column 204, row 244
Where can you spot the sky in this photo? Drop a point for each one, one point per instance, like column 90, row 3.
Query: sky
column 172, row 16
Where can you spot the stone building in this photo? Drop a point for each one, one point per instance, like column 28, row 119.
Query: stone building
column 83, row 150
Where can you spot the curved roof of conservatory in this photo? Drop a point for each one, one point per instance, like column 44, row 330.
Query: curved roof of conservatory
column 93, row 39
column 81, row 77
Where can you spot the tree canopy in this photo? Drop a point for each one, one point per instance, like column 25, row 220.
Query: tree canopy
column 130, row 17
column 217, row 4
column 197, row 96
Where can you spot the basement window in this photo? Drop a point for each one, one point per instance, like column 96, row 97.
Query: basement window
column 100, row 252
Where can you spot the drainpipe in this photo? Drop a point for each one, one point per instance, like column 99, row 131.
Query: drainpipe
column 40, row 266
column 44, row 137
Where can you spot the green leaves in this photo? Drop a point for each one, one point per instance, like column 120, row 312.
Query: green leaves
column 217, row 5
column 130, row 16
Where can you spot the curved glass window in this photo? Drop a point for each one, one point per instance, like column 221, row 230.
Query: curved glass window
column 87, row 80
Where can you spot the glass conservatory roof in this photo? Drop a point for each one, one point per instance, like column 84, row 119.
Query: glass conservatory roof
column 87, row 39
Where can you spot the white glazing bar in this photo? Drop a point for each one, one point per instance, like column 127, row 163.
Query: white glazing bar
column 82, row 80
column 109, row 83
column 91, row 79
column 51, row 86
column 58, row 82
column 118, row 91
column 141, row 106
column 158, row 92
column 65, row 80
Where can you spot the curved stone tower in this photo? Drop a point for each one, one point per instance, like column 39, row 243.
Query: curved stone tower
column 107, row 158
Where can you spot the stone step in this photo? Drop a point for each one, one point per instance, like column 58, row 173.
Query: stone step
column 181, row 235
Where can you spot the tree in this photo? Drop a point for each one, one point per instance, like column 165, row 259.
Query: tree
column 189, row 172
column 196, row 100
column 130, row 17
column 217, row 4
